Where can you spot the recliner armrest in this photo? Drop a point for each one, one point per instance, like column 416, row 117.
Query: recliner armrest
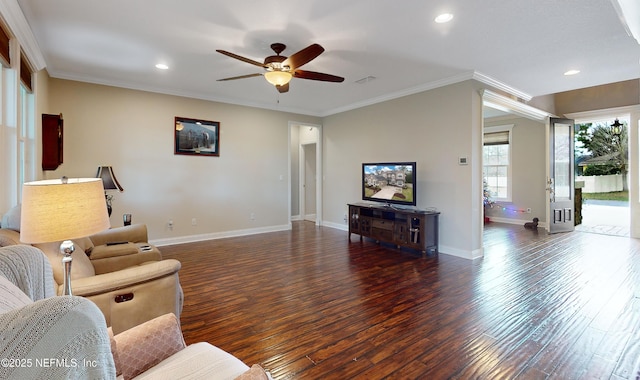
column 112, row 281
column 135, row 233
column 104, row 251
column 104, row 262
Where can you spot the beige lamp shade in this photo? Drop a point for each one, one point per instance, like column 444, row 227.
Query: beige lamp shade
column 53, row 211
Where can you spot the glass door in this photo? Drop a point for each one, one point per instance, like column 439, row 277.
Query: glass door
column 560, row 176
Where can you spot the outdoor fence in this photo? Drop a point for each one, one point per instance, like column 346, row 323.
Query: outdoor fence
column 601, row 183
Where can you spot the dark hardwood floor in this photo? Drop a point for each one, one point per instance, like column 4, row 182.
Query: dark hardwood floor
column 310, row 303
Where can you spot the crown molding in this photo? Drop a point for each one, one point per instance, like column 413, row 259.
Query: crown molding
column 503, row 103
column 182, row 94
column 398, row 94
column 14, row 19
column 480, row 77
column 470, row 75
column 628, row 11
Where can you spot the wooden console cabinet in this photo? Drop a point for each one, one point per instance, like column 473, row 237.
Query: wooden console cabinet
column 415, row 229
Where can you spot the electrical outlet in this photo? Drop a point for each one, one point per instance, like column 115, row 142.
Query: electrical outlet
column 194, row 222
column 252, row 216
column 170, row 224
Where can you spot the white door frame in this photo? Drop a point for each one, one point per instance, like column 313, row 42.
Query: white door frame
column 319, row 173
column 633, row 112
column 506, row 104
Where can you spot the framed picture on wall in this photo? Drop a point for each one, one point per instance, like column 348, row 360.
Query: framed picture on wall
column 196, row 137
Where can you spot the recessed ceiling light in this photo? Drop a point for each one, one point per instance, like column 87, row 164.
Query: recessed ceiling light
column 162, row 66
column 572, row 72
column 445, row 17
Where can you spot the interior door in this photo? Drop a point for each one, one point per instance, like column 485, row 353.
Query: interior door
column 560, row 176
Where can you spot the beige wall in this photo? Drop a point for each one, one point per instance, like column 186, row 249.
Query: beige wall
column 528, row 172
column 133, row 132
column 433, row 128
column 599, row 97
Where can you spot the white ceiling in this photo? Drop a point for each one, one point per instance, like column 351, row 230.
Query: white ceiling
column 524, row 44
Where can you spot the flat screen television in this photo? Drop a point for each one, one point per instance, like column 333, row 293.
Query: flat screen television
column 389, row 182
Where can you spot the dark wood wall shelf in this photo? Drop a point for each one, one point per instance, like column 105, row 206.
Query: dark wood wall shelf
column 410, row 228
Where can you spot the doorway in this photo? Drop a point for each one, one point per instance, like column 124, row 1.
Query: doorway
column 519, row 131
column 305, row 172
column 308, row 181
column 602, row 170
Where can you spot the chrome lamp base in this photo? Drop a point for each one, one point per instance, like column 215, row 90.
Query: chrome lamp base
column 66, row 249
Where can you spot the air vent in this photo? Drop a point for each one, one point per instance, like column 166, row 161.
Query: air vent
column 365, row 80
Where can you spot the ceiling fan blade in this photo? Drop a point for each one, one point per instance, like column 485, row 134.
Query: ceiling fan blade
column 240, row 77
column 317, row 76
column 304, row 56
column 243, row 59
column 282, row 89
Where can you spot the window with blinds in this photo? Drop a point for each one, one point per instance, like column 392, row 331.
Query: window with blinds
column 497, row 162
column 5, row 56
column 25, row 73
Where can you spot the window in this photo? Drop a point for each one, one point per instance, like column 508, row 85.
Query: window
column 8, row 139
column 17, row 121
column 27, row 139
column 496, row 170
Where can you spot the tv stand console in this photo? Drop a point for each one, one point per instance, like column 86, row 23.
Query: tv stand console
column 415, row 229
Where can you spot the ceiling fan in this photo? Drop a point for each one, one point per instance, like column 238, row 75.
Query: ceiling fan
column 280, row 69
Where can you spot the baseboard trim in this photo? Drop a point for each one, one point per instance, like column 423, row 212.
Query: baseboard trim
column 337, row 226
column 219, row 235
column 462, row 253
column 515, row 221
column 465, row 254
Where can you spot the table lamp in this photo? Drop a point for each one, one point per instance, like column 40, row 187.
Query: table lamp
column 61, row 210
column 109, row 182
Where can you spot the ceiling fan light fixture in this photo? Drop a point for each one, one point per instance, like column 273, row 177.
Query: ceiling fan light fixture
column 278, row 78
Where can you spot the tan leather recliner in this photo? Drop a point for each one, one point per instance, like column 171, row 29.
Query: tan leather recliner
column 126, row 295
column 120, row 247
column 39, row 329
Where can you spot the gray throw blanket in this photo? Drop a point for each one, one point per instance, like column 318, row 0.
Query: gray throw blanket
column 28, row 269
column 55, row 337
